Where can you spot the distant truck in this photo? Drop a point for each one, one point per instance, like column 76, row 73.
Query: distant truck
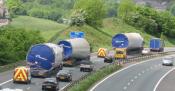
column 121, row 53
column 127, row 43
column 45, row 59
column 157, row 45
column 22, row 74
column 75, row 50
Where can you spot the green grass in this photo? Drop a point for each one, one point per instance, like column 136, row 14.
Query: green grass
column 95, row 38
column 102, row 37
column 46, row 27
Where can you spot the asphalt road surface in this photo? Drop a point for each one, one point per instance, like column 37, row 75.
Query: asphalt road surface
column 167, row 84
column 6, row 77
column 37, row 82
column 141, row 77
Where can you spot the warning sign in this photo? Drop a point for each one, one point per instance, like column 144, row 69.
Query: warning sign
column 102, row 52
column 20, row 75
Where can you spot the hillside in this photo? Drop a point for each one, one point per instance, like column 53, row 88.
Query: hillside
column 97, row 37
column 102, row 37
column 47, row 27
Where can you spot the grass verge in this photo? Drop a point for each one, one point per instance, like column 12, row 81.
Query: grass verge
column 94, row 77
column 47, row 28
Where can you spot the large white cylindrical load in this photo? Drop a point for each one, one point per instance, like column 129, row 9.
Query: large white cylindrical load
column 45, row 56
column 128, row 40
column 77, row 48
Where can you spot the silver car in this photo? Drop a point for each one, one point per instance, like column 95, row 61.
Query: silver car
column 167, row 61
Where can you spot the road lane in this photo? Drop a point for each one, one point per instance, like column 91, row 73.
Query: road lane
column 141, row 77
column 37, row 82
column 167, row 84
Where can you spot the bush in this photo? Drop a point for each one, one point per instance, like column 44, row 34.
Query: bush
column 95, row 11
column 14, row 44
column 78, row 18
column 152, row 21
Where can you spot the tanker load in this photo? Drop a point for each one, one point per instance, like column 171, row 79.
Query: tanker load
column 127, row 43
column 44, row 59
column 75, row 50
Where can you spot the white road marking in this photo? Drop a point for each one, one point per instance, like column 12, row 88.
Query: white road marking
column 135, row 77
column 92, row 89
column 28, row 88
column 163, row 78
column 64, row 87
column 6, row 82
column 125, row 88
column 129, row 83
column 132, row 80
column 139, row 74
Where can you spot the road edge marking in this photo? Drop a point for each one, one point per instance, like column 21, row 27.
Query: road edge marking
column 156, row 86
column 64, row 87
column 97, row 84
column 6, row 82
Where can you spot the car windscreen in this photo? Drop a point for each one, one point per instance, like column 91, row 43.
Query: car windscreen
column 168, row 58
column 86, row 62
column 64, row 72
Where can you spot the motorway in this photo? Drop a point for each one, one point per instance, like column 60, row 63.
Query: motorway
column 37, row 82
column 6, row 82
column 138, row 77
column 167, row 83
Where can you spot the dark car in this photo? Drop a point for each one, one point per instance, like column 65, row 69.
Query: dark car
column 50, row 84
column 109, row 58
column 86, row 66
column 64, row 75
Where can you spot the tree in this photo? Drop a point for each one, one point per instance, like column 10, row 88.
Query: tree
column 14, row 6
column 172, row 9
column 95, row 11
column 126, row 7
column 14, row 43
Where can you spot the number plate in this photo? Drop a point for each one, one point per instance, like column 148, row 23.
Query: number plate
column 48, row 87
column 62, row 77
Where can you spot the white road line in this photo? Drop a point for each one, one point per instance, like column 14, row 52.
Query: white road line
column 139, row 74
column 92, row 89
column 135, row 77
column 6, row 82
column 28, row 88
column 163, row 78
column 125, row 88
column 129, row 83
column 64, row 87
column 132, row 80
